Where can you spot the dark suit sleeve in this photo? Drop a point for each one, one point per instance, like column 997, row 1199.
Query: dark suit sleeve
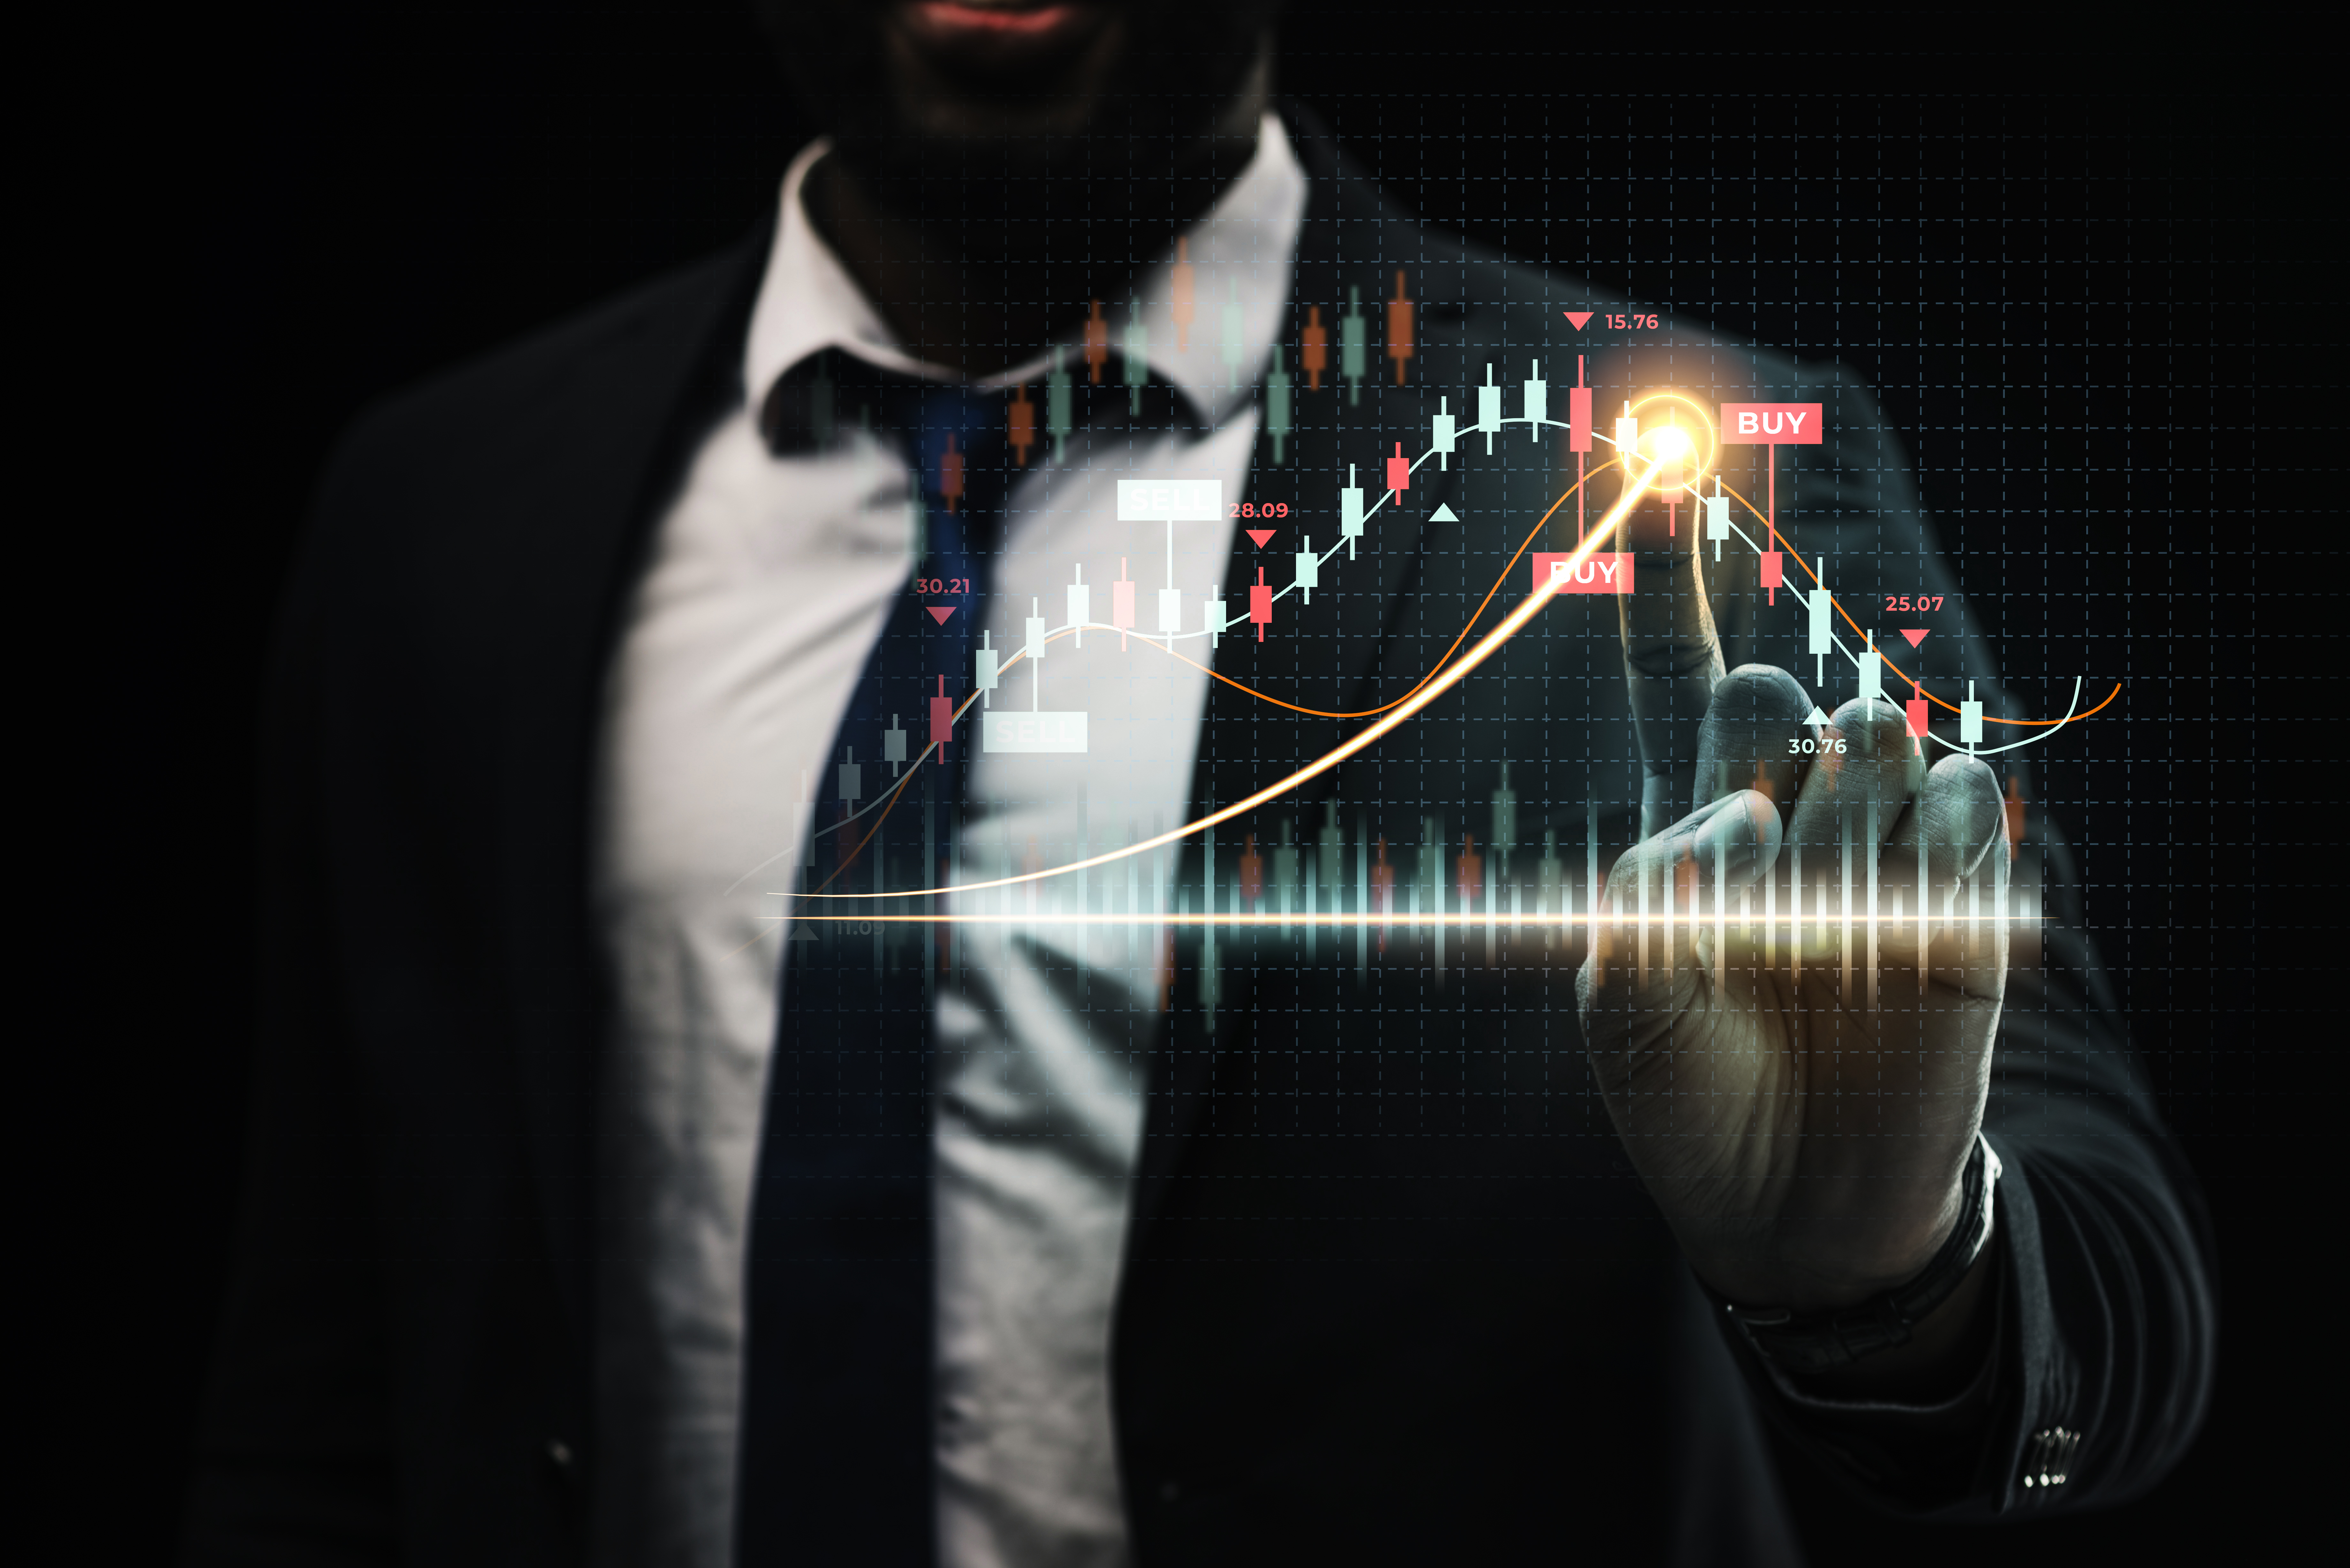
column 294, row 1457
column 2107, row 1295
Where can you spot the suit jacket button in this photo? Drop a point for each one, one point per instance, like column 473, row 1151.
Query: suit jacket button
column 560, row 1452
column 2048, row 1457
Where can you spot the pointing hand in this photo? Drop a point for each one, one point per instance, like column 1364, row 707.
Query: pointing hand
column 1802, row 1117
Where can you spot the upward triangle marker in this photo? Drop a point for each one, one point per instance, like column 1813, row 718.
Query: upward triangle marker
column 1442, row 514
column 1816, row 717
column 1577, row 317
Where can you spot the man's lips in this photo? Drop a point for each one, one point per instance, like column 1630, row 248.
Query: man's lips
column 1007, row 29
column 1021, row 19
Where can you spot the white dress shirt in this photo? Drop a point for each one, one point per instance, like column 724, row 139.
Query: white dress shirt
column 768, row 582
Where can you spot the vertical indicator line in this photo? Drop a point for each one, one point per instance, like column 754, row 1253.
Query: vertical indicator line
column 1974, row 912
column 1436, row 892
column 1313, row 898
column 1794, row 915
column 1847, row 913
column 930, row 951
column 1925, row 932
column 1870, row 850
column 1362, row 903
column 1643, row 912
column 1721, row 913
column 1591, row 876
column 1672, row 879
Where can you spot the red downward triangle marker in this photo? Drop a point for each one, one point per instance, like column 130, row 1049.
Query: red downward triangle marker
column 1577, row 317
column 939, row 613
column 1915, row 636
column 1259, row 534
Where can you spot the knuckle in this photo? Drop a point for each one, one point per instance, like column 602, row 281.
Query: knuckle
column 1666, row 660
column 1759, row 692
column 1965, row 775
column 1875, row 728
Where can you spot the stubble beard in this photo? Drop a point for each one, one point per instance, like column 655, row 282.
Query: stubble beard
column 1016, row 171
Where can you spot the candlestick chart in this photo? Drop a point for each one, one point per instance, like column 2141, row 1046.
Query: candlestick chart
column 1285, row 858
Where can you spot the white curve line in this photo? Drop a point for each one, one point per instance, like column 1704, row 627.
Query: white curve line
column 1836, row 636
column 2070, row 709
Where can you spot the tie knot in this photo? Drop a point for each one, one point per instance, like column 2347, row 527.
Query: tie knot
column 959, row 441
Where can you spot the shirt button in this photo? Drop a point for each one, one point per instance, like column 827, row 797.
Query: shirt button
column 560, row 1452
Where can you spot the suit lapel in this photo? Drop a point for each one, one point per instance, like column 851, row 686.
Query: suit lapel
column 610, row 442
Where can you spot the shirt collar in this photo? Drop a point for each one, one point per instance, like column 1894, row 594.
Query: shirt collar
column 1238, row 258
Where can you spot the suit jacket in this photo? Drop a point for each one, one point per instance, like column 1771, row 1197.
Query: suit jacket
column 1392, row 1291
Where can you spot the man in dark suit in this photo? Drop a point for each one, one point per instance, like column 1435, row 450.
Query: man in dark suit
column 1387, row 1237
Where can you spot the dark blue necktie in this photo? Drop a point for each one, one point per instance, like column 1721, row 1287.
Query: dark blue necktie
column 838, row 1415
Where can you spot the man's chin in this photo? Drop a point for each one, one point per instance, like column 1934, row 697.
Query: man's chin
column 1057, row 111
column 1061, row 106
column 1023, row 191
column 1014, row 119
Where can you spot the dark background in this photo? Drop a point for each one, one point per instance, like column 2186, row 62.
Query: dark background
column 2086, row 269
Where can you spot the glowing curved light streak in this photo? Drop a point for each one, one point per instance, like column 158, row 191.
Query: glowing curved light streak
column 1367, row 736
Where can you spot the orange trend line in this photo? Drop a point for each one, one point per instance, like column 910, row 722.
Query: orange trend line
column 850, row 858
column 1361, row 740
column 1374, row 712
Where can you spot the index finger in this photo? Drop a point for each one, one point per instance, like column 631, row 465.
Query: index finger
column 1672, row 656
